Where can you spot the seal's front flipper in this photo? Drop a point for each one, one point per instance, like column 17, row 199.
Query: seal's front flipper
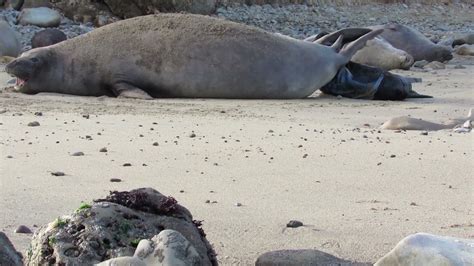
column 125, row 90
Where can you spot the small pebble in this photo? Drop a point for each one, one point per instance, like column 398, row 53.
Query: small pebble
column 58, row 173
column 79, row 153
column 424, row 133
column 192, row 135
column 127, row 164
column 103, row 150
column 23, row 229
column 38, row 113
column 238, row 204
column 156, row 144
column 115, row 180
column 33, row 124
column 393, row 156
column 294, row 224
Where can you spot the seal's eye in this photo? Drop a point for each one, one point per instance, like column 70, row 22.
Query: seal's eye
column 34, row 60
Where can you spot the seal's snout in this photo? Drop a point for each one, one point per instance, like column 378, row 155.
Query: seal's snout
column 20, row 68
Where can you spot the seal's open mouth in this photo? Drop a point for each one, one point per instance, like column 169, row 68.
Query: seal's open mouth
column 20, row 82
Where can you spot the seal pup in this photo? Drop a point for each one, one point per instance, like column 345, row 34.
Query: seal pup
column 414, row 42
column 182, row 55
column 409, row 123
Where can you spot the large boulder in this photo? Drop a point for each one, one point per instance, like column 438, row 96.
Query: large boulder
column 302, row 257
column 9, row 43
column 47, row 37
column 113, row 227
column 427, row 249
column 168, row 248
column 40, row 16
column 8, row 254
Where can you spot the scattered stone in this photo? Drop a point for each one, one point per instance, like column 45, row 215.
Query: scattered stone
column 393, row 156
column 115, row 180
column 40, row 16
column 113, row 227
column 127, row 164
column 23, row 229
column 238, row 204
column 302, row 257
column 8, row 254
column 173, row 247
column 103, row 150
column 192, row 135
column 435, row 65
column 38, row 113
column 58, row 174
column 427, row 249
column 465, row 49
column 86, row 116
column 79, row 153
column 34, row 124
column 294, row 224
column 156, row 144
column 47, row 37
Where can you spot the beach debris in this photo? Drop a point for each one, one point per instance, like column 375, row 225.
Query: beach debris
column 78, row 153
column 114, row 227
column 103, row 149
column 428, row 249
column 464, row 128
column 58, row 173
column 115, row 180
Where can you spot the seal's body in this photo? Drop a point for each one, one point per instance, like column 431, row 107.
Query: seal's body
column 414, row 42
column 176, row 55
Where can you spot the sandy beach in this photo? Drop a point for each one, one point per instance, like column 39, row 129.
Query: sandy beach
column 322, row 161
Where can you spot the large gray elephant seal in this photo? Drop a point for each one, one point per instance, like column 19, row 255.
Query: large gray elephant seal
column 178, row 55
column 414, row 43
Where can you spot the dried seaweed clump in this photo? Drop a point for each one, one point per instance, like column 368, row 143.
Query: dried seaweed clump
column 140, row 200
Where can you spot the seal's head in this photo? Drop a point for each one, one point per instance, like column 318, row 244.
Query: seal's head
column 34, row 70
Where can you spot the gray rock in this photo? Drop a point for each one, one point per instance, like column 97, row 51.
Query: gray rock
column 47, row 37
column 169, row 247
column 23, row 229
column 427, row 249
column 112, row 227
column 33, row 124
column 465, row 49
column 39, row 16
column 9, row 43
column 8, row 254
column 299, row 257
column 294, row 224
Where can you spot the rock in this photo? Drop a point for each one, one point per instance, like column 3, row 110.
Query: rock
column 112, row 227
column 33, row 124
column 133, row 8
column 465, row 49
column 36, row 3
column 427, row 249
column 8, row 254
column 294, row 224
column 103, row 149
column 302, row 257
column 40, row 16
column 434, row 65
column 79, row 153
column 9, row 43
column 23, row 229
column 115, row 180
column 58, row 173
column 420, row 64
column 173, row 249
column 47, row 37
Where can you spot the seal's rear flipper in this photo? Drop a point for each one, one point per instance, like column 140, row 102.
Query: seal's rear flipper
column 349, row 35
column 414, row 94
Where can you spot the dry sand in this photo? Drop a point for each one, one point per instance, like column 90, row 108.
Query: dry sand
column 321, row 161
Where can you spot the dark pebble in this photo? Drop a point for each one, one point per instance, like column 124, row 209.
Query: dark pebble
column 38, row 113
column 294, row 224
column 393, row 156
column 115, row 180
column 33, row 124
column 22, row 229
column 192, row 135
column 424, row 133
column 79, row 153
column 127, row 164
column 58, row 174
column 156, row 144
column 103, row 150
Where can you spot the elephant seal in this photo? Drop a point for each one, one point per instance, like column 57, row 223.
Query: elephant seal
column 409, row 123
column 379, row 53
column 414, row 42
column 181, row 55
column 9, row 43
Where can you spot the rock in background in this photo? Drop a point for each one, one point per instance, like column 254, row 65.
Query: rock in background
column 113, row 227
